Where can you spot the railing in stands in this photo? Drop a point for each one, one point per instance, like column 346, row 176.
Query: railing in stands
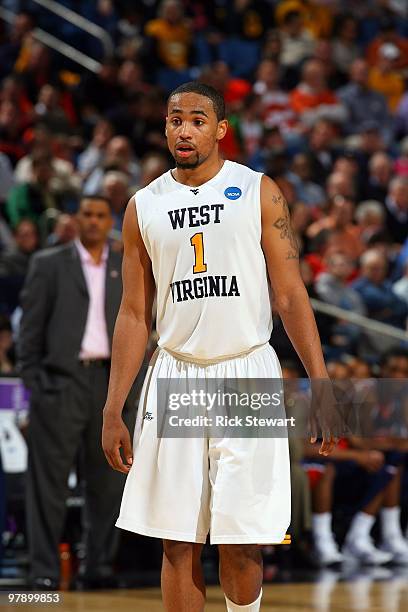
column 352, row 317
column 58, row 45
column 80, row 22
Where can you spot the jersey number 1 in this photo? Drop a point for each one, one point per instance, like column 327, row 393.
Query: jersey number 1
column 198, row 243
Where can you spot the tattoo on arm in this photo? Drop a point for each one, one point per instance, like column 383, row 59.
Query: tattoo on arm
column 283, row 225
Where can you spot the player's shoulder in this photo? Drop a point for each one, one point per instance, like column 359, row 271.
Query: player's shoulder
column 158, row 187
column 245, row 172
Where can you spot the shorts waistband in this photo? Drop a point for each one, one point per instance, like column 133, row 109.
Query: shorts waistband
column 205, row 362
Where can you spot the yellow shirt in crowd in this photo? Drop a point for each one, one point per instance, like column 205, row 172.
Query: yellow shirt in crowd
column 173, row 42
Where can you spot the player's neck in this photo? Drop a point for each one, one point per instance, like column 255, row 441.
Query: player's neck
column 200, row 175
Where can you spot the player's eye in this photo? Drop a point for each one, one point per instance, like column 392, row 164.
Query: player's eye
column 198, row 122
column 175, row 121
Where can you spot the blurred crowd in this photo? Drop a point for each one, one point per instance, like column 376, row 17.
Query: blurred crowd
column 316, row 98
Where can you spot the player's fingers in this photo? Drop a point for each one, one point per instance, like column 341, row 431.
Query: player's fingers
column 313, row 429
column 108, row 459
column 117, row 462
column 327, row 444
column 127, row 449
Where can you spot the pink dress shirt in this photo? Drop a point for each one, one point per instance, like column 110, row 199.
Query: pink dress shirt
column 95, row 342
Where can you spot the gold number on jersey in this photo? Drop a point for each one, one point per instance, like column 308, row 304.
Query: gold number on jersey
column 198, row 243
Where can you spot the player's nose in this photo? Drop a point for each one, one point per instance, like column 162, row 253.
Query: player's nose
column 185, row 130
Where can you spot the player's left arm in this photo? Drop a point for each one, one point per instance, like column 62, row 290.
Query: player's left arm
column 290, row 296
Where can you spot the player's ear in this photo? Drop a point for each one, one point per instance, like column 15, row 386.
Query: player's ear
column 222, row 129
column 165, row 128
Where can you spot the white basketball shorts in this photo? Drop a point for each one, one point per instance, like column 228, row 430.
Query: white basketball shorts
column 238, row 489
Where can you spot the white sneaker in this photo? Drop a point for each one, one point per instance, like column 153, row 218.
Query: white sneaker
column 365, row 552
column 398, row 548
column 326, row 552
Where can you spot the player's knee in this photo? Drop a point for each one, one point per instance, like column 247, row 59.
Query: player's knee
column 240, row 555
column 179, row 552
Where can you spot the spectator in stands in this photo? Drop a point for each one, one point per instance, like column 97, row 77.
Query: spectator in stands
column 29, row 200
column 151, row 167
column 381, row 302
column 34, row 67
column 368, row 142
column 250, row 124
column 11, row 132
column 93, row 155
column 49, row 111
column 388, row 35
column 332, row 287
column 297, row 43
column 370, row 219
column 323, row 52
column 345, row 47
column 64, row 184
column 312, row 99
column 6, row 178
column 366, row 474
column 12, row 90
column 362, row 476
column 380, row 173
column 271, row 142
column 6, row 237
column 141, row 119
column 22, row 25
column 340, row 184
column 99, row 93
column 362, row 102
column 339, row 223
column 275, row 109
column 115, row 187
column 400, row 287
column 6, row 362
column 307, row 191
column 396, row 204
column 171, row 43
column 401, row 164
column 15, row 261
column 384, row 78
column 65, row 230
column 401, row 117
column 119, row 156
column 130, row 79
column 322, row 150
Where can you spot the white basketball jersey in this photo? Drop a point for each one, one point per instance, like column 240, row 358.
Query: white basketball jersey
column 205, row 246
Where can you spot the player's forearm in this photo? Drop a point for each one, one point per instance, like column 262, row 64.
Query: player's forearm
column 300, row 325
column 129, row 346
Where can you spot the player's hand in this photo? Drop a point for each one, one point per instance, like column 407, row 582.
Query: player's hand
column 115, row 435
column 324, row 419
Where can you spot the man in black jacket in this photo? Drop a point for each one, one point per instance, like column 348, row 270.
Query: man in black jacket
column 70, row 301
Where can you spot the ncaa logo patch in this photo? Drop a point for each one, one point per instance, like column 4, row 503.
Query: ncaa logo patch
column 233, row 193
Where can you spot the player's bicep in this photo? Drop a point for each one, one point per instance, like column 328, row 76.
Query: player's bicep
column 278, row 240
column 138, row 281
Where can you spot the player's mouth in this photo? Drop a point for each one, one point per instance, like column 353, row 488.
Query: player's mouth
column 184, row 150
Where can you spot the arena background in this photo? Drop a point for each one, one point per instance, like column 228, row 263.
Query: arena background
column 316, row 98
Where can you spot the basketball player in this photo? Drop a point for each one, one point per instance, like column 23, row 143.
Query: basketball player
column 206, row 236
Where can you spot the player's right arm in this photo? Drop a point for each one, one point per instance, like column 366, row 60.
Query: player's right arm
column 132, row 330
